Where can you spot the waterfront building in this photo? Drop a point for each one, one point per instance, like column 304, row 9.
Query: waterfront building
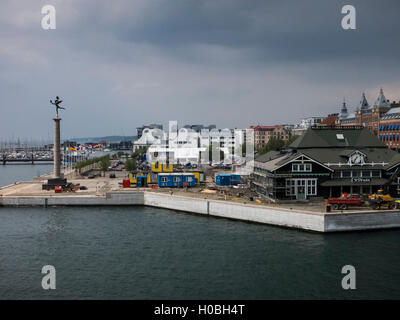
column 325, row 162
column 382, row 118
column 186, row 145
column 389, row 128
column 262, row 134
column 366, row 115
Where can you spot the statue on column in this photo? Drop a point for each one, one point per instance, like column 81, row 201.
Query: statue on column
column 56, row 103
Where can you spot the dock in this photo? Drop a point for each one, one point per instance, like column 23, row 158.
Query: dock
column 107, row 192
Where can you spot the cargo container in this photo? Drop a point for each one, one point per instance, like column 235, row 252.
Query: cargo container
column 227, row 179
column 176, row 180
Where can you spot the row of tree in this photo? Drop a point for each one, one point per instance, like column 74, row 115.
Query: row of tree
column 277, row 144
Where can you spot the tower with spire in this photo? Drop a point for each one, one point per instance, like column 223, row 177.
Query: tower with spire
column 382, row 102
column 364, row 106
column 343, row 112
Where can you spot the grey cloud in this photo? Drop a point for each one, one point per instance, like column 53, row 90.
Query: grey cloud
column 234, row 63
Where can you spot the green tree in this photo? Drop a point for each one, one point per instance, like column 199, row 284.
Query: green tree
column 273, row 144
column 104, row 164
column 130, row 165
column 291, row 139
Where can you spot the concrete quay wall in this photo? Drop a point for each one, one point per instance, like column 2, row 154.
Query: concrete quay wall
column 111, row 199
column 362, row 221
column 279, row 216
column 237, row 211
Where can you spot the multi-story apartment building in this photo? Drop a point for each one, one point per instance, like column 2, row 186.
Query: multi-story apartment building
column 262, row 134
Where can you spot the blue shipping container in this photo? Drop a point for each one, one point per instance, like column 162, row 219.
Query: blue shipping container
column 179, row 180
column 227, row 179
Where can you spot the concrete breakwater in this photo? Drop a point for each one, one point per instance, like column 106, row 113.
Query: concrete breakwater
column 274, row 215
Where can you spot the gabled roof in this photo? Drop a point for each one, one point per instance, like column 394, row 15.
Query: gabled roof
column 328, row 138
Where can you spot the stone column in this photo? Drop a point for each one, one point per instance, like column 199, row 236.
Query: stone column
column 56, row 150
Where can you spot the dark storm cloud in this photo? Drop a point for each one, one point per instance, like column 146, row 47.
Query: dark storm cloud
column 233, row 63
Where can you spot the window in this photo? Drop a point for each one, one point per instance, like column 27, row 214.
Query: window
column 346, row 174
column 177, row 179
column 163, row 179
column 356, row 173
column 301, row 167
column 365, row 174
column 376, row 173
column 337, row 174
column 189, row 179
column 311, row 187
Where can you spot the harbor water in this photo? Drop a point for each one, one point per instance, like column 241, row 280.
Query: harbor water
column 149, row 253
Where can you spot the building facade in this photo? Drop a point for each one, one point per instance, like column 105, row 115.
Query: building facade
column 325, row 162
column 262, row 134
column 379, row 118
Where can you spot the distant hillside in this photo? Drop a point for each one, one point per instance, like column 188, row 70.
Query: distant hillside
column 106, row 138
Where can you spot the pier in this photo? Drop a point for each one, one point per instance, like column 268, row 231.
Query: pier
column 31, row 160
column 107, row 192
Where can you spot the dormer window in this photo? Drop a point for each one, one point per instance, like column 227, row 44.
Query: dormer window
column 301, row 167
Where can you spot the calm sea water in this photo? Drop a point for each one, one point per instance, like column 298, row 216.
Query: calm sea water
column 11, row 173
column 148, row 253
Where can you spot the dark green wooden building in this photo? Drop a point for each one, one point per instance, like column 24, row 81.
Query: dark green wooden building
column 324, row 162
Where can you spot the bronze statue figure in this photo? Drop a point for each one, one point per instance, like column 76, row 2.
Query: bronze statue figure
column 57, row 104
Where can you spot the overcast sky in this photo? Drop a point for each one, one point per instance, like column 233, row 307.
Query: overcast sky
column 234, row 63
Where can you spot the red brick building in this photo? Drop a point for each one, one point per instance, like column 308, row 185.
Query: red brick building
column 382, row 118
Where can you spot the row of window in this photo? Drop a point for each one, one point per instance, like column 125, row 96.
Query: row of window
column 294, row 187
column 357, row 174
column 390, row 127
column 389, row 137
column 177, row 179
column 301, row 167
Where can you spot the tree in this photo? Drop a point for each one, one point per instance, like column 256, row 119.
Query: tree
column 291, row 139
column 130, row 165
column 104, row 163
column 273, row 144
